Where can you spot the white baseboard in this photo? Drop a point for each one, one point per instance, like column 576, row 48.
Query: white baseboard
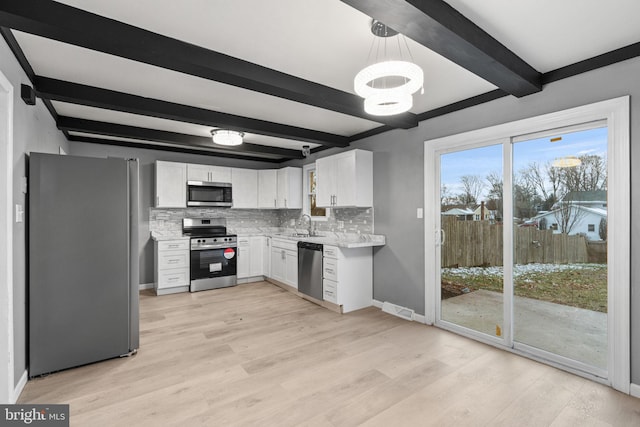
column 634, row 390
column 252, row 279
column 377, row 303
column 419, row 318
column 17, row 391
column 143, row 286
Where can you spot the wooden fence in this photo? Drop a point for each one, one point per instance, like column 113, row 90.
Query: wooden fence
column 479, row 243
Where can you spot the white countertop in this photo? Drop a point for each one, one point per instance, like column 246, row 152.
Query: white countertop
column 342, row 240
column 158, row 236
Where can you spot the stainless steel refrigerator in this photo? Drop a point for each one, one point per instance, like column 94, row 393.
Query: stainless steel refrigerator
column 83, row 260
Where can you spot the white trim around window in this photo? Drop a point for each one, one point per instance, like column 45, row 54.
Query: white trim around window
column 306, row 208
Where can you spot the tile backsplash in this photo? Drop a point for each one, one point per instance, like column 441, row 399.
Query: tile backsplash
column 343, row 220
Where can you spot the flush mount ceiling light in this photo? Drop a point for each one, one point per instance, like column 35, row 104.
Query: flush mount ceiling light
column 387, row 86
column 566, row 162
column 227, row 137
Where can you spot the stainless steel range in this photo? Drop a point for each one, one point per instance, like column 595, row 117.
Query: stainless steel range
column 214, row 253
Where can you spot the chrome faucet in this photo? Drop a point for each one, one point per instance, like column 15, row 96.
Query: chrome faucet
column 310, row 228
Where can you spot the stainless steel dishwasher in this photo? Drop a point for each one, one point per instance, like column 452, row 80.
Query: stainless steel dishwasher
column 310, row 269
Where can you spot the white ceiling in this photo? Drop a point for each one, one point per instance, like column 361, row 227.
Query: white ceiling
column 324, row 41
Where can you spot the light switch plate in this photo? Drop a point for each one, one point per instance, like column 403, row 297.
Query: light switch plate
column 420, row 213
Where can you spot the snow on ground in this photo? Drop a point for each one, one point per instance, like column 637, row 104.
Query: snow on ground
column 519, row 270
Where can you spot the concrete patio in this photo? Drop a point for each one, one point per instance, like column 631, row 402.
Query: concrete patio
column 571, row 332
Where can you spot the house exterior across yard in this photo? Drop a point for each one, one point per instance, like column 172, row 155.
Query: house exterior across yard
column 581, row 212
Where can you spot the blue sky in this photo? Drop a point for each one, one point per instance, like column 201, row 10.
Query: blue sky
column 482, row 161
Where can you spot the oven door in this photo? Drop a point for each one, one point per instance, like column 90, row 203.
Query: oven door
column 211, row 263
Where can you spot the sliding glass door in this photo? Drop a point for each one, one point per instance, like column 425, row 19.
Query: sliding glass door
column 559, row 246
column 522, row 244
column 471, row 207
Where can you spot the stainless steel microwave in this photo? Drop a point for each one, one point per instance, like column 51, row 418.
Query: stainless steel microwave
column 202, row 193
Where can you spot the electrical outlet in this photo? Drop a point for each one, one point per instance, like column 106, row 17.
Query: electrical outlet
column 420, row 213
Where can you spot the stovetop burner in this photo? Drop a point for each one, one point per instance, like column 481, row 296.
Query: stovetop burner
column 208, row 233
column 204, row 227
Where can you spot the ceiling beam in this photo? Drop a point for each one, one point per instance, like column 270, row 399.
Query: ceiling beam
column 67, row 24
column 171, row 148
column 75, row 93
column 444, row 30
column 161, row 136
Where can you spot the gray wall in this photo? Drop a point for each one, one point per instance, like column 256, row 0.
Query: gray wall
column 33, row 130
column 147, row 159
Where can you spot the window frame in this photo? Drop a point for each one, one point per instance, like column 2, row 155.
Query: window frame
column 306, row 205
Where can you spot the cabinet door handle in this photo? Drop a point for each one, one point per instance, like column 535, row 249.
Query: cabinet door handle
column 284, row 256
column 285, row 203
column 329, row 270
column 275, row 205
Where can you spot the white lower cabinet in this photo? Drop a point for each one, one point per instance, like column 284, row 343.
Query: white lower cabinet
column 284, row 262
column 347, row 277
column 244, row 256
column 251, row 258
column 172, row 266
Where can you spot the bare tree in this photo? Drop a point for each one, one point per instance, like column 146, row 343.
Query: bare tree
column 590, row 175
column 472, row 187
column 568, row 214
column 446, row 198
column 536, row 178
column 495, row 195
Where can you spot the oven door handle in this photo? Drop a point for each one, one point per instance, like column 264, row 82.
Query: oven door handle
column 210, row 248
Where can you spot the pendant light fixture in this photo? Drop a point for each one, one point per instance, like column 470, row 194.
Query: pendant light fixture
column 227, row 137
column 387, row 86
column 566, row 162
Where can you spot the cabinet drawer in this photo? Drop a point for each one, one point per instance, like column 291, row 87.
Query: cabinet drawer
column 285, row 244
column 171, row 245
column 330, row 251
column 173, row 259
column 330, row 269
column 173, row 277
column 330, row 291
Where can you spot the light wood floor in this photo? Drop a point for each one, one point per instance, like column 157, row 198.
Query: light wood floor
column 257, row 355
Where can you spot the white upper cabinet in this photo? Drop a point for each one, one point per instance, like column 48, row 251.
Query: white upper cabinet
column 289, row 188
column 244, row 185
column 208, row 173
column 325, row 181
column 345, row 180
column 268, row 189
column 171, row 185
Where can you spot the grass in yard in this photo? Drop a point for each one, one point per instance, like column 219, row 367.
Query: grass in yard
column 574, row 285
